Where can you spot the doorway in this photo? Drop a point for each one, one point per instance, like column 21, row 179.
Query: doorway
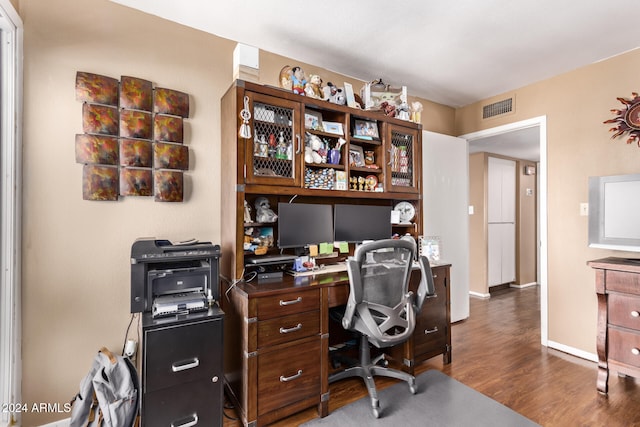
column 499, row 133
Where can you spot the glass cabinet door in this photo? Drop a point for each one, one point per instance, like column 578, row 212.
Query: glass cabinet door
column 404, row 157
column 273, row 151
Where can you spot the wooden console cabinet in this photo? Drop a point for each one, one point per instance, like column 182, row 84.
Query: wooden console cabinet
column 618, row 340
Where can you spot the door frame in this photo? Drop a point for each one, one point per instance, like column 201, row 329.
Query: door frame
column 11, row 52
column 541, row 123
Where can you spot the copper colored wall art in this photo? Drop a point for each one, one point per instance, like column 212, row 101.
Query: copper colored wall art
column 133, row 138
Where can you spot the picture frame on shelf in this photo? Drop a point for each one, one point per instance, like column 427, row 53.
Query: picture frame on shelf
column 349, row 95
column 356, row 156
column 333, row 127
column 430, row 247
column 365, row 129
column 313, row 120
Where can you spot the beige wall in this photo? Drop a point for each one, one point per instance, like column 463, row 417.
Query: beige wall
column 478, row 255
column 578, row 146
column 526, row 227
column 76, row 253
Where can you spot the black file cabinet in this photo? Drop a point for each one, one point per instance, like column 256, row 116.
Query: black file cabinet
column 182, row 376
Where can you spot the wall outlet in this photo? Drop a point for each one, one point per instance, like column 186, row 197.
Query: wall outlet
column 584, row 209
column 130, row 348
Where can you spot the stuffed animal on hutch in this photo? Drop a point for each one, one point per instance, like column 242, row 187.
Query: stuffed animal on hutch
column 298, row 80
column 314, row 150
column 263, row 211
column 313, row 88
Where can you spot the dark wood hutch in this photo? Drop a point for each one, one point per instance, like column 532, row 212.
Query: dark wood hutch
column 271, row 163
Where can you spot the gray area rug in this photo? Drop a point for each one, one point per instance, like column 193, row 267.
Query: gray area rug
column 440, row 401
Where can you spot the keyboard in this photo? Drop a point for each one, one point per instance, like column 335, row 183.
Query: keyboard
column 270, row 259
column 325, row 269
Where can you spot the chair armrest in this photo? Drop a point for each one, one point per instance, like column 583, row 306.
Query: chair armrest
column 426, row 287
column 355, row 292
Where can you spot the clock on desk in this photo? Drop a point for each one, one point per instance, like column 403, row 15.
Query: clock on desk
column 406, row 211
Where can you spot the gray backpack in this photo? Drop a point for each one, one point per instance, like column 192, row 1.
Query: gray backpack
column 108, row 395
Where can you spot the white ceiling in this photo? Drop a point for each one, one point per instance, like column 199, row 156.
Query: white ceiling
column 451, row 52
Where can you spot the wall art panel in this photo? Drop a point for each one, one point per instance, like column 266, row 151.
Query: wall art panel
column 121, row 119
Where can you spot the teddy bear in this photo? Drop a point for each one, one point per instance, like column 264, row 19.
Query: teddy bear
column 388, row 109
column 264, row 213
column 313, row 88
column 314, row 149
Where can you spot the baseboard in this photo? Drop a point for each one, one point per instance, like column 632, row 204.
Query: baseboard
column 526, row 285
column 592, row 357
column 61, row 423
column 479, row 295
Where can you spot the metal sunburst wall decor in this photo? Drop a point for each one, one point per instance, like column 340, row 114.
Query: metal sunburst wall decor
column 627, row 119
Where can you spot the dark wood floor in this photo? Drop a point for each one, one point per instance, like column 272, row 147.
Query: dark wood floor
column 497, row 352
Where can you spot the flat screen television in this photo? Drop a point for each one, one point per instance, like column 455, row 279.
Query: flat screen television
column 303, row 224
column 356, row 223
column 614, row 209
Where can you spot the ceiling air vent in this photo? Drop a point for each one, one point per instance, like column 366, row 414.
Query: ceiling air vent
column 497, row 108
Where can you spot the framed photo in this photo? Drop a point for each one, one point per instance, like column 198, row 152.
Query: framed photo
column 351, row 99
column 356, row 156
column 430, row 247
column 333, row 127
column 365, row 129
column 312, row 120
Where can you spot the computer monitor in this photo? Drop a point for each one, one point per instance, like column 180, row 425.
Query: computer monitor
column 356, row 223
column 302, row 224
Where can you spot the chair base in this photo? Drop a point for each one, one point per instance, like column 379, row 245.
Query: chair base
column 368, row 369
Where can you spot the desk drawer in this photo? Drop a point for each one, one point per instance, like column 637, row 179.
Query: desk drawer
column 288, row 328
column 624, row 310
column 624, row 346
column 622, row 281
column 289, row 303
column 182, row 353
column 431, row 328
column 288, row 374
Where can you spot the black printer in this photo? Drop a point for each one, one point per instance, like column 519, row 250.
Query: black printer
column 172, row 278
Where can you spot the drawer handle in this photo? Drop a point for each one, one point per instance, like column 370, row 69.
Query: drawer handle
column 634, row 313
column 435, row 276
column 295, row 301
column 431, row 331
column 293, row 329
column 188, row 422
column 184, row 366
column 635, row 351
column 432, row 296
column 284, row 379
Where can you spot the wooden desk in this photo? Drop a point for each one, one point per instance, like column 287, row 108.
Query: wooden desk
column 277, row 341
column 618, row 339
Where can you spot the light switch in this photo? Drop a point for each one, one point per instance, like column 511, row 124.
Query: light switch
column 470, row 209
column 584, row 209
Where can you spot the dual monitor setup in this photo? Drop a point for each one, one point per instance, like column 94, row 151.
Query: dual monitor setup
column 301, row 225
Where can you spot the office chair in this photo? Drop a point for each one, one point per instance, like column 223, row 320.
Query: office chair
column 380, row 308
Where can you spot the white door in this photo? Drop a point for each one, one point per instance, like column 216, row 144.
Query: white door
column 501, row 213
column 445, row 187
column 501, row 253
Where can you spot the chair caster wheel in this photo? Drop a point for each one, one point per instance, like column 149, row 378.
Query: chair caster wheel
column 376, row 412
column 412, row 386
